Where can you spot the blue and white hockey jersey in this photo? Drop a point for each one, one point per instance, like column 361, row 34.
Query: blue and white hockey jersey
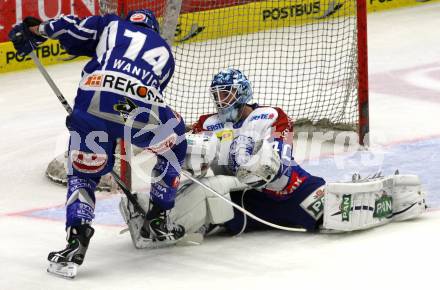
column 115, row 45
column 127, row 61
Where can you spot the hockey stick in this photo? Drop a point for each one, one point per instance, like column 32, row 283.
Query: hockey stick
column 244, row 211
column 69, row 110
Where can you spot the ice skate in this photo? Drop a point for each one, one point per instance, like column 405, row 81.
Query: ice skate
column 65, row 263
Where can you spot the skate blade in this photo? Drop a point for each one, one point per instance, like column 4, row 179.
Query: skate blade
column 192, row 239
column 64, row 270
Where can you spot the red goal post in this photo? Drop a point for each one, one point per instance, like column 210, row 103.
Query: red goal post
column 362, row 48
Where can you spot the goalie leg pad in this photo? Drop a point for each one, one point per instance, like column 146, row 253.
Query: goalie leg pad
column 408, row 198
column 195, row 206
column 133, row 219
column 190, row 209
column 362, row 205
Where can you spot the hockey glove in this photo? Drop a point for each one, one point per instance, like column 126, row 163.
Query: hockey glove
column 262, row 167
column 23, row 39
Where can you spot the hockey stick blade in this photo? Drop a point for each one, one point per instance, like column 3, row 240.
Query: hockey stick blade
column 64, row 270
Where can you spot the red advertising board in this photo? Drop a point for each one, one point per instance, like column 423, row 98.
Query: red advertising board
column 13, row 11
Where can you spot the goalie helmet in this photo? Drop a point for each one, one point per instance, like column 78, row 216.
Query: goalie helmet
column 231, row 91
column 143, row 17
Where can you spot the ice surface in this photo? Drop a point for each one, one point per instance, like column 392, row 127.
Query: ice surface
column 404, row 63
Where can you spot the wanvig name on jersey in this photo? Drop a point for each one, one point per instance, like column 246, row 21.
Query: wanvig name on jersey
column 122, row 84
column 145, row 75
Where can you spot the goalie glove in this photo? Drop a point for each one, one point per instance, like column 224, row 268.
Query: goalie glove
column 261, row 168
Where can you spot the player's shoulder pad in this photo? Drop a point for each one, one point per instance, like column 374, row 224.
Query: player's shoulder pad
column 281, row 123
column 260, row 119
column 275, row 116
column 263, row 113
column 207, row 122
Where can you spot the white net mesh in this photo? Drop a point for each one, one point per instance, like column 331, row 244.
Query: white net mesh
column 298, row 55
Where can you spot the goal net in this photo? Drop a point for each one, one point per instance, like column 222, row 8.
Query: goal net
column 305, row 56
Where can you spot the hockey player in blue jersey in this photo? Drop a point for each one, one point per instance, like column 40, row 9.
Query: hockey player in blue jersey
column 119, row 96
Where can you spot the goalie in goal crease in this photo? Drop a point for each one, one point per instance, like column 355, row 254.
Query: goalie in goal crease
column 249, row 149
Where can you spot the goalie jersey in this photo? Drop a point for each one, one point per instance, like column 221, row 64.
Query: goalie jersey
column 264, row 123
